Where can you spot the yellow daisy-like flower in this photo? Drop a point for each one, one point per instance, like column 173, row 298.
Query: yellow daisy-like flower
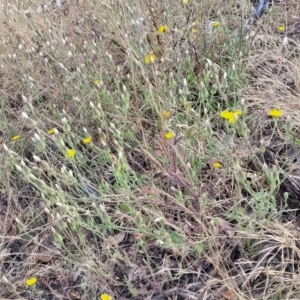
column 52, row 131
column 226, row 114
column 166, row 114
column 105, row 297
column 169, row 135
column 217, row 165
column 281, row 28
column 71, row 153
column 276, row 113
column 16, row 137
column 150, row 58
column 97, row 82
column 234, row 117
column 238, row 112
column 185, row 1
column 194, row 30
column 31, row 281
column 163, row 29
column 231, row 116
column 87, row 140
column 216, row 24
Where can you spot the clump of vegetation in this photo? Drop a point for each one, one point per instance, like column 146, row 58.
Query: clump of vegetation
column 150, row 151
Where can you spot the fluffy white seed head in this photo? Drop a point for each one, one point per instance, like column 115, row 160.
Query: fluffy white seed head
column 24, row 115
column 36, row 158
column 5, row 148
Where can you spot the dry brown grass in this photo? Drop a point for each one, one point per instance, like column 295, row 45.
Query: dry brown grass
column 135, row 215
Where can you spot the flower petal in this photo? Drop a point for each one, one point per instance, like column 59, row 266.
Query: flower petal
column 169, row 135
column 276, row 113
column 31, row 281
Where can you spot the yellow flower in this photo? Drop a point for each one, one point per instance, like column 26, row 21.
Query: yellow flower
column 163, row 29
column 185, row 1
column 16, row 137
column 216, row 24
column 31, row 281
column 194, row 30
column 97, row 82
column 276, row 113
column 166, row 114
column 106, row 297
column 87, row 140
column 281, row 28
column 226, row 114
column 217, row 165
column 150, row 58
column 52, row 131
column 231, row 116
column 169, row 135
column 71, row 153
column 238, row 112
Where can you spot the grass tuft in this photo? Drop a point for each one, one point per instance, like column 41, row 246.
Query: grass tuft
column 150, row 150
